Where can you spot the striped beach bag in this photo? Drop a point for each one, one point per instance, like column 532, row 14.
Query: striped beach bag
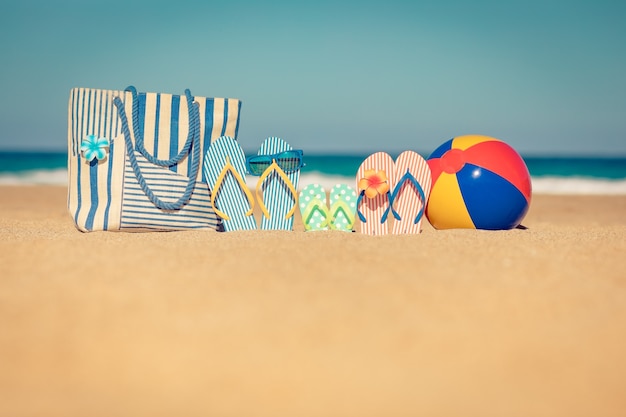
column 134, row 159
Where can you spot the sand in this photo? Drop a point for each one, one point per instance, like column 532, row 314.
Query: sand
column 446, row 323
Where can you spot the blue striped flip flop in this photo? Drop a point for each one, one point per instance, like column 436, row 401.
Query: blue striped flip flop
column 313, row 209
column 224, row 168
column 342, row 207
column 276, row 187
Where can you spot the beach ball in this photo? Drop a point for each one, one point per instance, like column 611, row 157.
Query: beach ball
column 479, row 182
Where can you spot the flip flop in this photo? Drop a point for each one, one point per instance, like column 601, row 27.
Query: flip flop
column 224, row 169
column 276, row 190
column 315, row 214
column 342, row 207
column 411, row 191
column 374, row 182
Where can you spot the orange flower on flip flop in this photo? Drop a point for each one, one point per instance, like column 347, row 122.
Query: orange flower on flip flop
column 374, row 183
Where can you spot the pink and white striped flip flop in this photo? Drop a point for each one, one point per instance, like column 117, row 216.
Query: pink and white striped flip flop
column 374, row 184
column 412, row 184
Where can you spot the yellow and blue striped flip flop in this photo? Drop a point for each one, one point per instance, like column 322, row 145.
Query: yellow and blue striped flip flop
column 276, row 187
column 224, row 168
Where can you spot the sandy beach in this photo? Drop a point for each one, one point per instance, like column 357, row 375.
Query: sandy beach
column 446, row 323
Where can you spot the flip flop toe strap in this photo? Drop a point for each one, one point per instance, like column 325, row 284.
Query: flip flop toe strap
column 337, row 207
column 315, row 205
column 274, row 167
column 408, row 177
column 383, row 219
column 358, row 203
column 228, row 167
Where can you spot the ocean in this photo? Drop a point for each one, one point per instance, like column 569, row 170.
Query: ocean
column 550, row 174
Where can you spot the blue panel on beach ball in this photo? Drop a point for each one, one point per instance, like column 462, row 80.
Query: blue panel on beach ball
column 492, row 202
column 438, row 153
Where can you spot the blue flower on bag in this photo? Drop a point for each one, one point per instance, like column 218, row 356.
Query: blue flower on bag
column 94, row 147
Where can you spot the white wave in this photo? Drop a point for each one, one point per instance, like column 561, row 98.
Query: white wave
column 35, row 177
column 578, row 185
column 541, row 185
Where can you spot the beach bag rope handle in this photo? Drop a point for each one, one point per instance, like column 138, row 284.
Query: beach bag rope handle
column 139, row 139
column 192, row 145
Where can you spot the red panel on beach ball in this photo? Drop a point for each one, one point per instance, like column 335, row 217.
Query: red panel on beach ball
column 478, row 182
column 501, row 159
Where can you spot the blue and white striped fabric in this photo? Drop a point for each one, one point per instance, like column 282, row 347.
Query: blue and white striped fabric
column 230, row 198
column 276, row 195
column 139, row 213
column 96, row 188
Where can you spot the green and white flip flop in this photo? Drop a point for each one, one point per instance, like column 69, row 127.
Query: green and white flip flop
column 313, row 208
column 343, row 200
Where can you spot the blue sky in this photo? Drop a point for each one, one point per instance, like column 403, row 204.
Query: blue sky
column 332, row 76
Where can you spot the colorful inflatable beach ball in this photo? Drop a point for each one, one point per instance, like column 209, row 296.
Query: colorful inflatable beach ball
column 479, row 182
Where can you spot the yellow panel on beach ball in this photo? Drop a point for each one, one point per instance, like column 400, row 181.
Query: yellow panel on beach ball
column 467, row 141
column 446, row 208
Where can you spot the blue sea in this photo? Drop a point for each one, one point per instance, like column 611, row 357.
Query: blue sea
column 550, row 174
